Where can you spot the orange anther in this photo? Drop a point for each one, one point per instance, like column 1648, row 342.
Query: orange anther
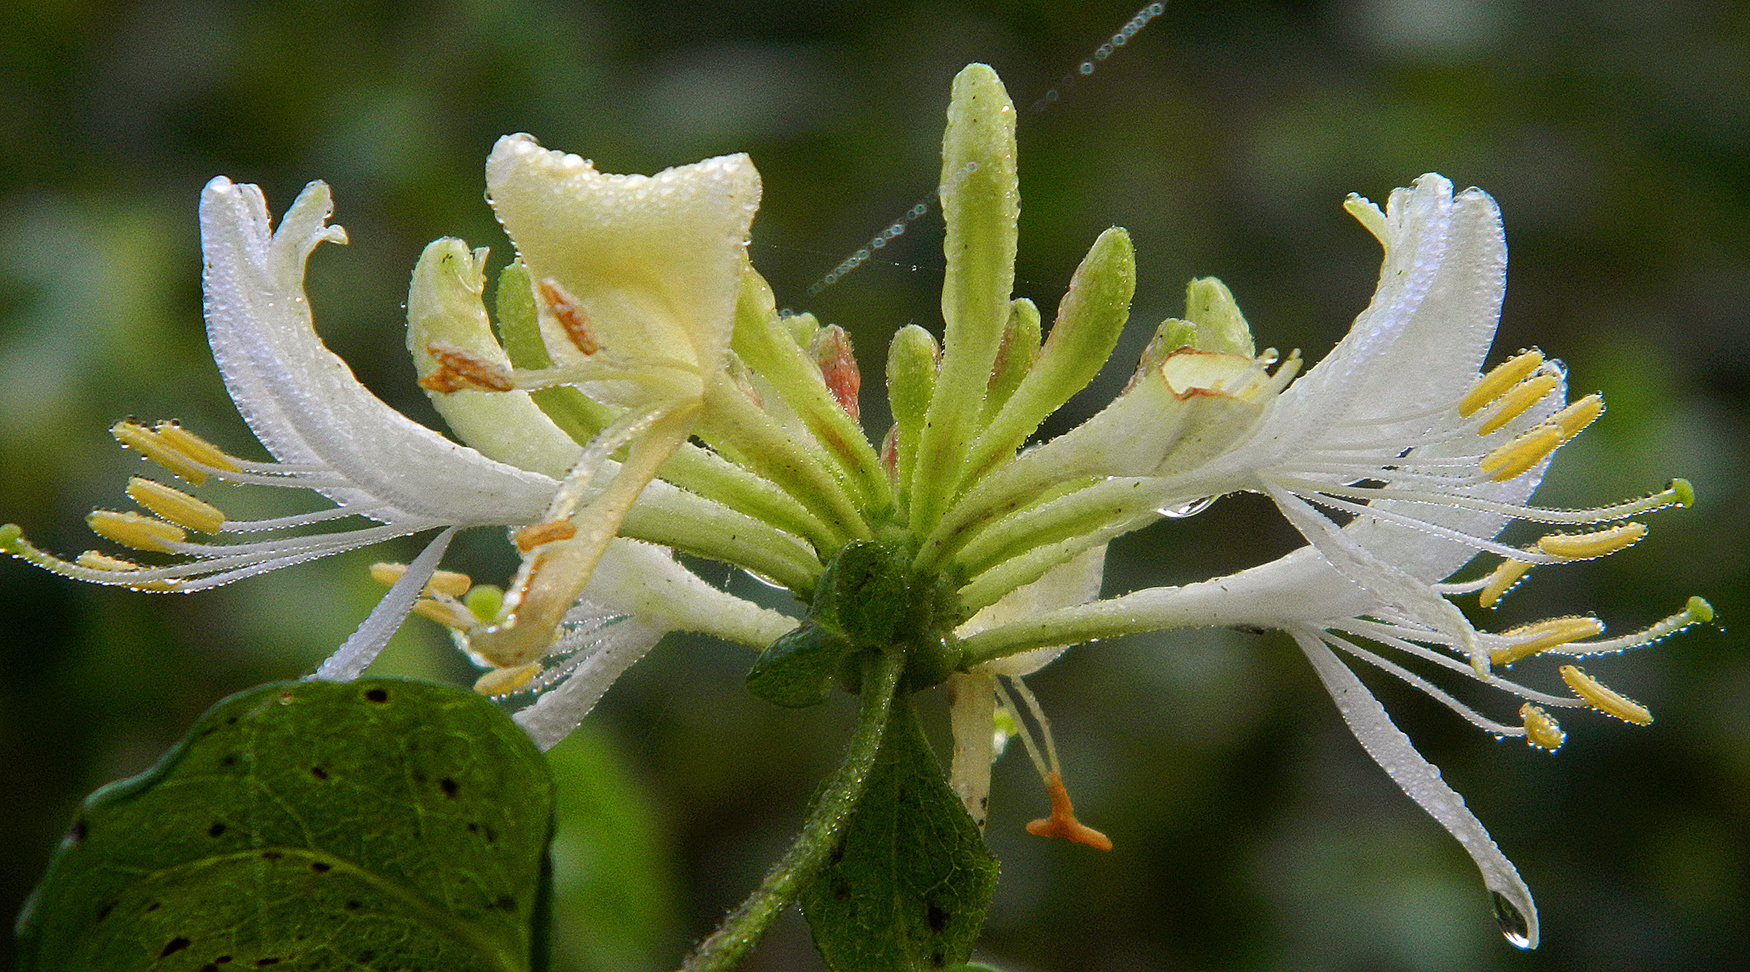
column 536, row 534
column 570, row 316
column 458, row 370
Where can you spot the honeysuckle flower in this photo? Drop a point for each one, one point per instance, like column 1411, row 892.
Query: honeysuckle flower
column 1432, row 459
column 634, row 391
column 387, row 476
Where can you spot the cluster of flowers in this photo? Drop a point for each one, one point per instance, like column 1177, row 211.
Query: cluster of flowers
column 642, row 395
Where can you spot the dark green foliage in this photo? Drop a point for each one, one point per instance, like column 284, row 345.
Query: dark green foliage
column 867, row 599
column 908, row 887
column 860, row 602
column 383, row 824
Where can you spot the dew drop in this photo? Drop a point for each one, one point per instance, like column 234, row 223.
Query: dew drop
column 1189, row 509
column 1513, row 924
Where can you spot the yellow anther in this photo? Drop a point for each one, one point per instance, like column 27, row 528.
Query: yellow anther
column 450, row 582
column 502, row 680
column 1603, row 699
column 1541, row 730
column 1502, row 581
column 193, row 446
column 136, row 531
column 1525, row 451
column 1574, row 419
column 1517, row 399
column 147, row 443
column 175, row 505
column 97, row 560
column 442, row 581
column 447, row 612
column 175, row 448
column 1528, row 640
column 1598, row 543
column 1500, row 378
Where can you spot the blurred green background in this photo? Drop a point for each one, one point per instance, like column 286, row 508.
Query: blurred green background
column 1251, row 831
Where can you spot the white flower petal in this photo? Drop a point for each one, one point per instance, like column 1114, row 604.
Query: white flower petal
column 562, row 708
column 1418, row 230
column 1447, row 334
column 654, row 262
column 1421, row 780
column 1066, row 585
column 303, row 402
column 354, row 655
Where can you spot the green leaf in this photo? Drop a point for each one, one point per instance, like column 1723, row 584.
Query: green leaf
column 909, row 886
column 798, row 669
column 382, row 823
column 859, row 603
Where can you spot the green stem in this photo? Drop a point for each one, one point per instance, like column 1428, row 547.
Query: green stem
column 820, row 833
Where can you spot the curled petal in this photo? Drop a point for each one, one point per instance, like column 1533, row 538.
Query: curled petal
column 1421, row 780
column 303, row 402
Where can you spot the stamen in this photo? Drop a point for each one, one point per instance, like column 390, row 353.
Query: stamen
column 175, row 505
column 442, row 582
column 175, row 448
column 1696, row 611
column 501, row 681
column 458, row 370
column 1501, row 581
column 1599, row 543
column 97, row 560
column 193, row 446
column 1500, row 378
column 1574, row 419
column 536, row 534
column 571, row 317
column 1063, row 822
column 1517, row 399
column 1603, row 699
column 1525, row 451
column 1530, row 639
column 446, row 612
column 136, row 531
column 1541, row 730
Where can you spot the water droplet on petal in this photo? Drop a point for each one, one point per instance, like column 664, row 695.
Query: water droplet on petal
column 1189, row 509
column 1513, row 924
